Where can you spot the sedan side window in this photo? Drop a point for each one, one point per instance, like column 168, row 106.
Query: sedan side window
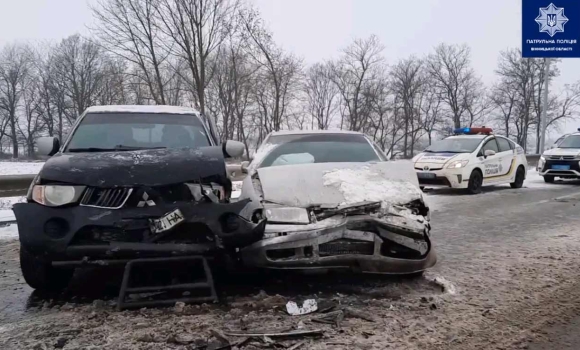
column 504, row 144
column 491, row 144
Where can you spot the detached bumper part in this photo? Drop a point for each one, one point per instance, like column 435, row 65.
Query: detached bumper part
column 72, row 233
column 363, row 244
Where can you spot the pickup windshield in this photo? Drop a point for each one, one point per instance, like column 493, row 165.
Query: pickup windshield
column 572, row 141
column 102, row 132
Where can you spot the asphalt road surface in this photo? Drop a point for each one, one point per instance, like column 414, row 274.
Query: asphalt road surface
column 508, row 277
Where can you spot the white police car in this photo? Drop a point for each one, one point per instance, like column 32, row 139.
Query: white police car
column 473, row 158
column 563, row 160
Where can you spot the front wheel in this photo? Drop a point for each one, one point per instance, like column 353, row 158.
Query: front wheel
column 549, row 179
column 519, row 180
column 41, row 275
column 475, row 182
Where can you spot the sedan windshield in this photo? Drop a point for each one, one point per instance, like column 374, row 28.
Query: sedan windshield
column 454, row 145
column 572, row 141
column 99, row 132
column 317, row 148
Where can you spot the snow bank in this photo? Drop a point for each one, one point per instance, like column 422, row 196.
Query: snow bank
column 8, row 202
column 9, row 232
column 20, row 168
column 364, row 184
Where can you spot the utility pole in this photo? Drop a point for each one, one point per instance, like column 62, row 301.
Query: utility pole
column 544, row 115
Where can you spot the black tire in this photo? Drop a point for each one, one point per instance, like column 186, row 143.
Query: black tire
column 519, row 180
column 475, row 182
column 549, row 179
column 41, row 275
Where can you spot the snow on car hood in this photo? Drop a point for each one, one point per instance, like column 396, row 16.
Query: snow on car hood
column 438, row 158
column 335, row 184
column 562, row 152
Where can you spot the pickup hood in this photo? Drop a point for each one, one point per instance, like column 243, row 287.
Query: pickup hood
column 437, row 158
column 132, row 168
column 335, row 184
column 562, row 152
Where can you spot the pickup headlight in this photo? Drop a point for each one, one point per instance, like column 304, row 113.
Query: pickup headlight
column 287, row 215
column 56, row 195
column 457, row 164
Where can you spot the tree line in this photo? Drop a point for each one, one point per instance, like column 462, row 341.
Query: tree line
column 218, row 56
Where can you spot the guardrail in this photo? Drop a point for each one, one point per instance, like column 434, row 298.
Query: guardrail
column 17, row 185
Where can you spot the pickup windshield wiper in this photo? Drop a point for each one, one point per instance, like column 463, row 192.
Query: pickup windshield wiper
column 116, row 148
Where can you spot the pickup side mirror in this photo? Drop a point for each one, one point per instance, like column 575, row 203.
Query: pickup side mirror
column 233, row 149
column 47, row 146
column 489, row 152
column 245, row 165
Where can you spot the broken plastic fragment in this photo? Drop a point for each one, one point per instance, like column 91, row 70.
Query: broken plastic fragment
column 309, row 306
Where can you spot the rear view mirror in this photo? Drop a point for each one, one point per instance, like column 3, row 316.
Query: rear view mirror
column 47, row 146
column 489, row 152
column 245, row 165
column 233, row 149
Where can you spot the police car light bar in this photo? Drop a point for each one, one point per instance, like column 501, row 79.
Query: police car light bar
column 474, row 131
column 578, row 129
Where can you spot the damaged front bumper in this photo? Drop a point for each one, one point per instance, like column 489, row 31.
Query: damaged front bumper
column 362, row 243
column 88, row 233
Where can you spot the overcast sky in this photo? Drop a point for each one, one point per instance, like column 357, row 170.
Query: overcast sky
column 318, row 29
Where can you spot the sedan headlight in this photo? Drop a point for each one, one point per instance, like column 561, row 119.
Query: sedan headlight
column 56, row 195
column 457, row 164
column 287, row 215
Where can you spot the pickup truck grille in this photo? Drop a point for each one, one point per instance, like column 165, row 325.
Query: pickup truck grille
column 111, row 198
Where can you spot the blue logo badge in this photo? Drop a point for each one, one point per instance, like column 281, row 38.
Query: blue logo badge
column 551, row 29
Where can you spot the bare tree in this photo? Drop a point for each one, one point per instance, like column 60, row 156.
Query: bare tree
column 278, row 75
column 15, row 65
column 32, row 124
column 407, row 84
column 321, row 94
column 504, row 99
column 431, row 108
column 197, row 28
column 358, row 68
column 79, row 64
column 131, row 30
column 450, row 69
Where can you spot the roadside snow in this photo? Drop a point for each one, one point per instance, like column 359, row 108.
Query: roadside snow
column 363, row 184
column 8, row 202
column 20, row 168
column 9, row 232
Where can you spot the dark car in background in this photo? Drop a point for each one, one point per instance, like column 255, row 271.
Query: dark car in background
column 131, row 182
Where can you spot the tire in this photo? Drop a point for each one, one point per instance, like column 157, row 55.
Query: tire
column 549, row 179
column 519, row 180
column 41, row 275
column 475, row 182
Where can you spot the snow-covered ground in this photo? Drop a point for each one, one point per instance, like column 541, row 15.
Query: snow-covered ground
column 20, row 168
column 9, row 232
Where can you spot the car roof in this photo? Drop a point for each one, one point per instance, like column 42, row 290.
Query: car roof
column 313, row 132
column 481, row 137
column 161, row 109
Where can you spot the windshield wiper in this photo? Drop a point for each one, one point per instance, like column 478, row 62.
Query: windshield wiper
column 117, row 148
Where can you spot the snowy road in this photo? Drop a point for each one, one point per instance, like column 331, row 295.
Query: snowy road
column 509, row 260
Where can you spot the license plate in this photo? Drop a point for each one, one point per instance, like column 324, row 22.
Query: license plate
column 166, row 222
column 561, row 167
column 426, row 175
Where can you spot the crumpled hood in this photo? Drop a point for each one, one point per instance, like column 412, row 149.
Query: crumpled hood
column 133, row 168
column 334, row 184
column 562, row 152
column 438, row 158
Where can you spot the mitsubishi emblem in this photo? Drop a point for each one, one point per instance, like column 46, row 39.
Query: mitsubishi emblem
column 562, row 158
column 146, row 201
